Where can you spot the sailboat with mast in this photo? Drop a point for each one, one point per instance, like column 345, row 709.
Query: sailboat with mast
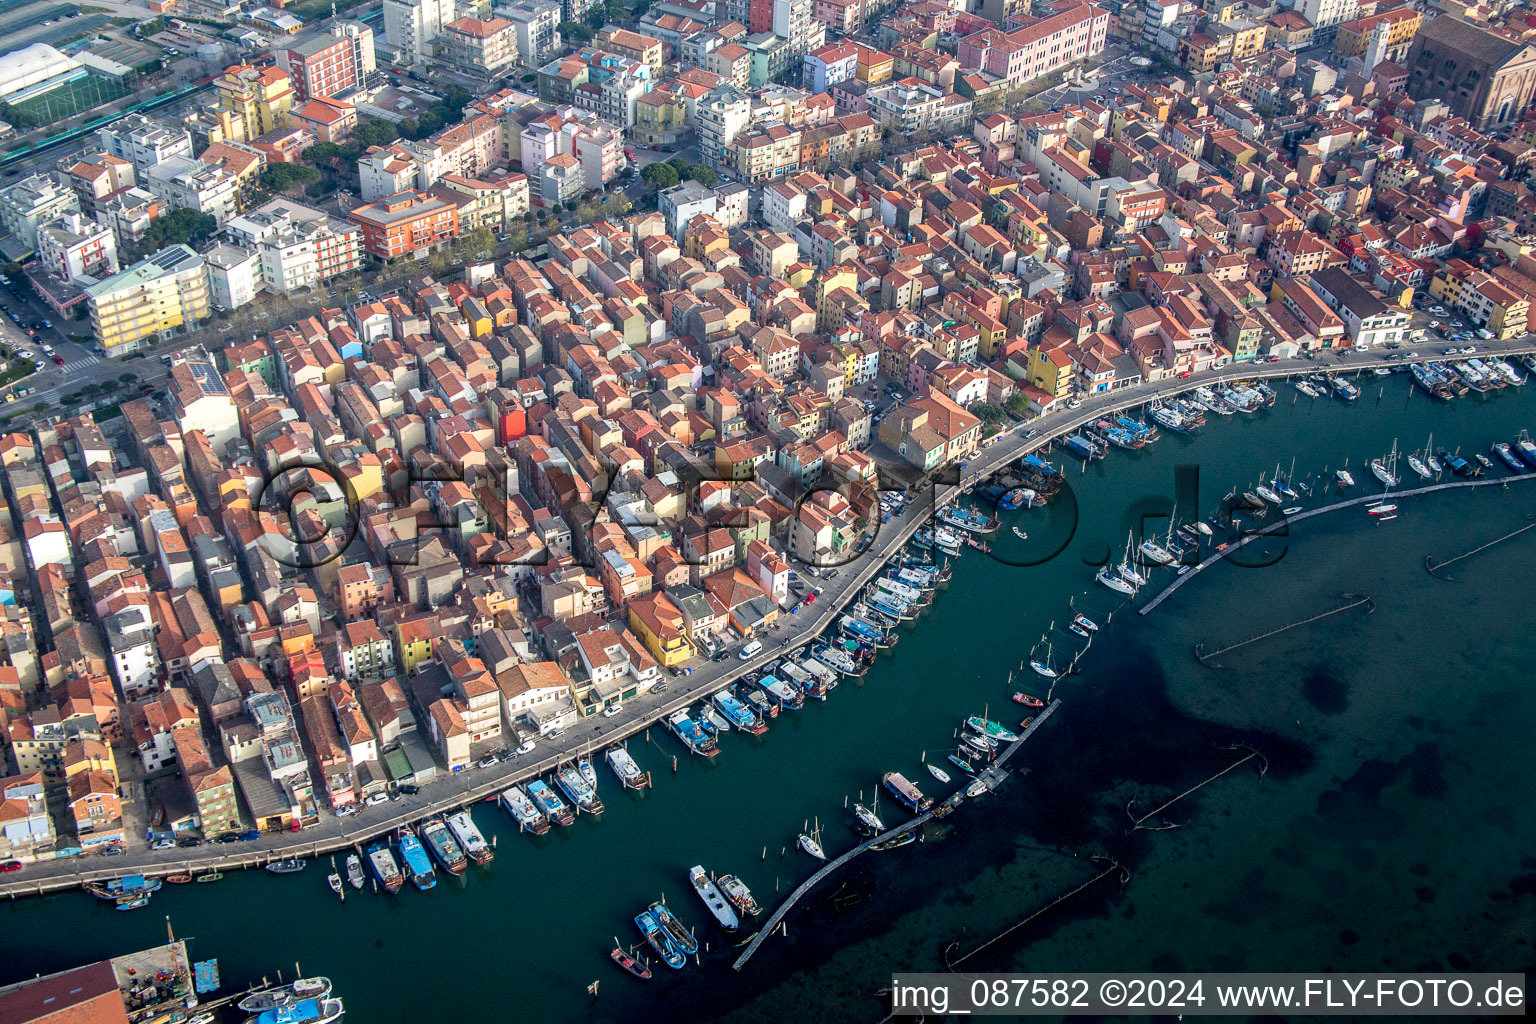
column 1127, row 567
column 1385, row 470
column 810, row 842
column 1161, row 553
column 1042, row 667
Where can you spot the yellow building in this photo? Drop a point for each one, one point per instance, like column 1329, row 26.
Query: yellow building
column 259, row 98
column 659, row 625
column 1354, row 37
column 768, row 153
column 157, row 295
column 660, row 118
column 874, row 66
column 840, row 276
column 1050, row 370
column 413, row 644
column 1247, row 39
column 1481, row 298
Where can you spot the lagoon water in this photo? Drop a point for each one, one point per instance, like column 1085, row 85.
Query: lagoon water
column 1392, row 829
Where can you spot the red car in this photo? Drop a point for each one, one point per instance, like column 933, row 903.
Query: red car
column 1186, row 373
column 810, row 598
column 10, row 865
column 58, row 360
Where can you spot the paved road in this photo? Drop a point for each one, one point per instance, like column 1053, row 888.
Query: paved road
column 642, row 713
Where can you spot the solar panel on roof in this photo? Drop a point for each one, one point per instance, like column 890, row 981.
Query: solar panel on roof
column 208, row 378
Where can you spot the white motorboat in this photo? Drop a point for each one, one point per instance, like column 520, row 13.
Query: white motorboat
column 719, row 907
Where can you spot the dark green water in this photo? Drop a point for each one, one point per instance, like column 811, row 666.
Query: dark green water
column 1392, row 829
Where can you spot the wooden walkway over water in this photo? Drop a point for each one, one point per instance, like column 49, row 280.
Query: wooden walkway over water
column 907, row 826
column 1363, row 499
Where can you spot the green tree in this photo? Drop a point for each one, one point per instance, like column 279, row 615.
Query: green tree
column 324, row 153
column 617, row 11
column 477, row 243
column 988, row 413
column 663, row 176
column 281, row 177
column 617, row 205
column 576, row 31
column 1017, row 403
column 178, row 226
column 375, row 132
column 703, row 175
column 517, row 237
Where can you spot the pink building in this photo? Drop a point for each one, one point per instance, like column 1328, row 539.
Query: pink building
column 1036, row 49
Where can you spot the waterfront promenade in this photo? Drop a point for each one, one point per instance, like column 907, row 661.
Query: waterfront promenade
column 337, row 834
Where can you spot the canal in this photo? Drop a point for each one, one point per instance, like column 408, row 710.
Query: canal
column 1390, row 830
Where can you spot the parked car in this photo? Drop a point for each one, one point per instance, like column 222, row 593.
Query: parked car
column 408, row 790
column 250, row 835
column 58, row 360
column 376, row 799
column 613, row 710
column 163, row 844
column 112, row 851
column 10, row 865
column 226, row 837
column 189, row 842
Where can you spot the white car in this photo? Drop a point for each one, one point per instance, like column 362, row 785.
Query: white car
column 163, row 844
column 1073, row 404
column 376, row 799
column 613, row 710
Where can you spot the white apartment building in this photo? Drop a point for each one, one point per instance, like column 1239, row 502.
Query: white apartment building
column 594, row 145
column 386, row 171
column 144, row 142
column 234, row 275
column 410, row 26
column 1327, row 15
column 721, row 114
column 297, row 246
column 912, row 105
column 538, row 28
column 74, row 248
column 128, row 214
column 33, row 202
column 187, row 184
column 200, row 401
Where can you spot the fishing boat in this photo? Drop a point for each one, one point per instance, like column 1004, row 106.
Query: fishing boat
column 471, row 841
column 1084, row 621
column 523, row 810
column 549, row 803
column 781, row 693
column 355, row 877
column 839, row 660
column 630, row 963
column 822, row 678
column 573, row 783
column 993, row 730
column 1043, row 667
column 210, row 876
column 984, row 746
column 1345, row 478
column 659, row 940
column 305, row 1011
column 418, row 867
column 674, row 928
column 908, row 795
column 1344, row 389
column 443, row 847
column 740, row 896
column 714, row 721
column 285, row 995
column 1028, row 701
column 758, row 701
column 714, row 900
column 1507, row 453
column 968, row 519
column 1483, row 461
column 1456, row 464
column 1526, row 449
column 1506, row 372
column 128, row 886
column 1114, row 581
column 1309, row 389
column 868, row 822
column 947, row 541
column 334, row 881
column 738, row 714
column 692, row 734
column 384, row 866
column 937, row 772
column 626, row 768
column 132, row 903
column 1083, row 448
column 288, row 866
column 809, row 844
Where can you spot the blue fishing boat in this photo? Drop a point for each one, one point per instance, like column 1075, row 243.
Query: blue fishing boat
column 1145, row 432
column 968, row 519
column 781, row 693
column 659, row 940
column 693, row 735
column 1526, row 449
column 549, row 803
column 126, row 888
column 906, row 794
column 738, row 714
column 578, row 789
column 1503, row 450
column 680, row 936
column 1042, row 467
column 1457, row 464
column 418, row 868
column 1083, row 448
column 304, row 1011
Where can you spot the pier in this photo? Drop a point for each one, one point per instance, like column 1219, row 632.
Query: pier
column 992, row 775
column 1433, row 568
column 1363, row 499
column 1204, row 657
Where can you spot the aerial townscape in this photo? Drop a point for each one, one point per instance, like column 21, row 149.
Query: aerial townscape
column 419, row 417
